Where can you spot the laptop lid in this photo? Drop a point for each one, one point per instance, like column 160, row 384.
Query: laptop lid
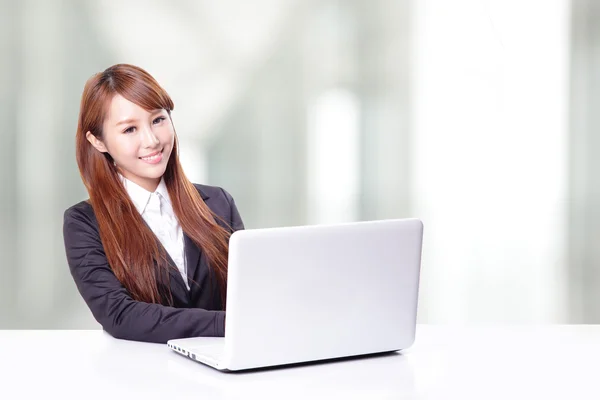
column 307, row 293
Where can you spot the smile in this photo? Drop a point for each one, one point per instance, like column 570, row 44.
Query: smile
column 153, row 158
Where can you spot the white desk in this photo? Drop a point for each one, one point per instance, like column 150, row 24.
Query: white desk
column 527, row 362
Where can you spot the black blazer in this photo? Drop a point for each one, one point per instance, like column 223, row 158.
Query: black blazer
column 196, row 312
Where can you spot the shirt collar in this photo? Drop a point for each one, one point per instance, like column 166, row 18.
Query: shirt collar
column 140, row 196
column 162, row 190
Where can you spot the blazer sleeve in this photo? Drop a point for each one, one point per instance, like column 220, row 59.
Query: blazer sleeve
column 110, row 302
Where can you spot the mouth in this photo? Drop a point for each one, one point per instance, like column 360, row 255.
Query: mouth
column 153, row 158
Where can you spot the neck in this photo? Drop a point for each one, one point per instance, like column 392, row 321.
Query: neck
column 149, row 184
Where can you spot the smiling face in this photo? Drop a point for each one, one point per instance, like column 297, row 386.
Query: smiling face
column 139, row 141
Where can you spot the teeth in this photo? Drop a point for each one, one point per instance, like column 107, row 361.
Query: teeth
column 154, row 157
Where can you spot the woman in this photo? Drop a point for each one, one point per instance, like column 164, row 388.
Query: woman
column 148, row 250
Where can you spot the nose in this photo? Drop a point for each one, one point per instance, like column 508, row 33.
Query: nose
column 148, row 138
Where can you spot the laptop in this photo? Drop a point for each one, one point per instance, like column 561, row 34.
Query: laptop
column 320, row 292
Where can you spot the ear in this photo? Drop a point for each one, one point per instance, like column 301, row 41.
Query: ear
column 95, row 142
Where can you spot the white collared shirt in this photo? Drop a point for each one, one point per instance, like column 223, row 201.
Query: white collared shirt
column 156, row 209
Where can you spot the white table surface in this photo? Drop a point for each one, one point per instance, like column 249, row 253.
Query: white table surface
column 446, row 362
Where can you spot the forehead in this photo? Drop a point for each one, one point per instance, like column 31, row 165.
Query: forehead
column 120, row 108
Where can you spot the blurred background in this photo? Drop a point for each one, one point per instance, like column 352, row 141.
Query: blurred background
column 476, row 116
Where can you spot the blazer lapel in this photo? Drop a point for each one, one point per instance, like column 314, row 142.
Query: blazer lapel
column 192, row 252
column 178, row 289
column 177, row 285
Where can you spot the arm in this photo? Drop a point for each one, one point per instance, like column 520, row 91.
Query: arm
column 112, row 305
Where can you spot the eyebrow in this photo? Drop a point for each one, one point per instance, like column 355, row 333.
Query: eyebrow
column 130, row 120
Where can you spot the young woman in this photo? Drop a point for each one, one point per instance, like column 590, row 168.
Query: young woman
column 148, row 250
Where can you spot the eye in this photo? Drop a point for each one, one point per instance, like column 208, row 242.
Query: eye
column 158, row 120
column 129, row 130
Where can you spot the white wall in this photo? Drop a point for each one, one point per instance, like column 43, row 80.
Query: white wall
column 490, row 136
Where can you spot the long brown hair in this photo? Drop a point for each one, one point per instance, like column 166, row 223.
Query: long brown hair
column 130, row 246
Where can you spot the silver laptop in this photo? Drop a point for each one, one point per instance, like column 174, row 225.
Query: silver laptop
column 308, row 293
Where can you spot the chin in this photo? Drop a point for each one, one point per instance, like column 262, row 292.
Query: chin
column 154, row 174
